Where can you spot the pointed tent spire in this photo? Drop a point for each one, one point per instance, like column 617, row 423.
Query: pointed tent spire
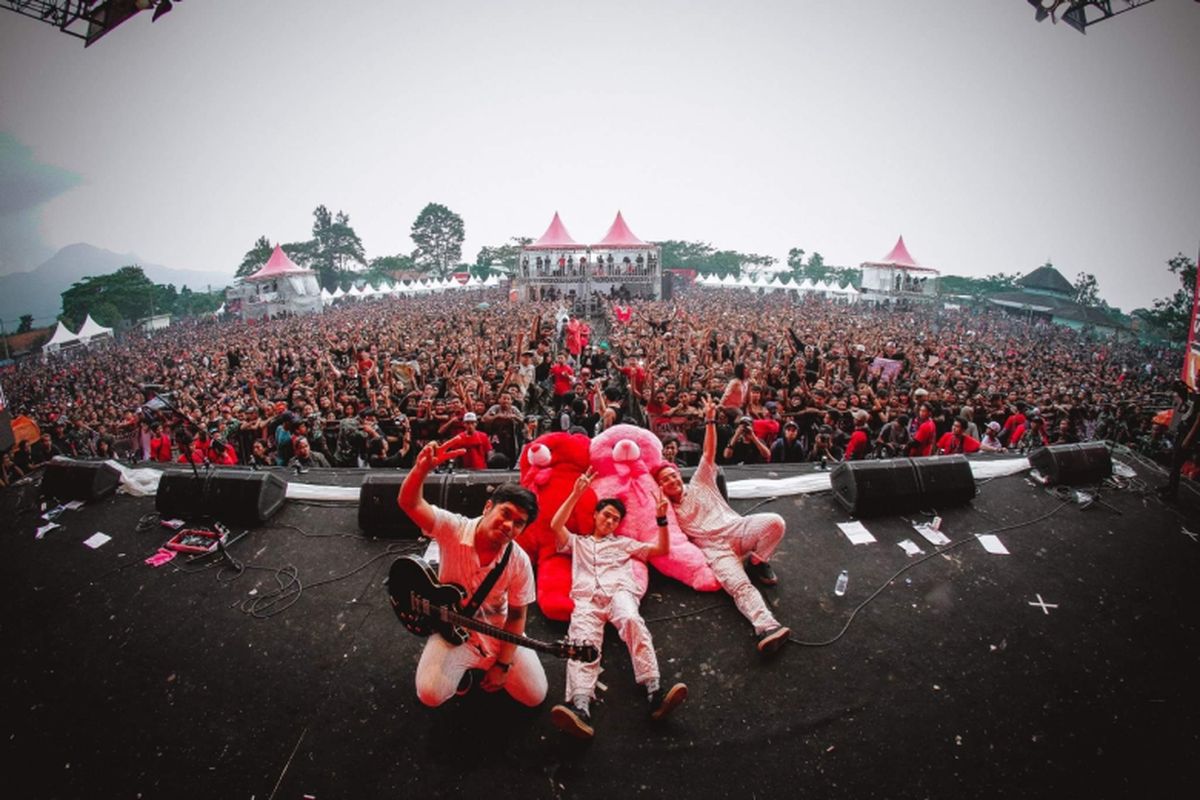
column 555, row 237
column 277, row 264
column 619, row 235
column 899, row 255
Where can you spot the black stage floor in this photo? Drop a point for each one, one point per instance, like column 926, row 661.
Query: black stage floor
column 193, row 681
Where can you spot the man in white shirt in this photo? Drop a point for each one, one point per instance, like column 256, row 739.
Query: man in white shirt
column 726, row 537
column 469, row 549
column 604, row 589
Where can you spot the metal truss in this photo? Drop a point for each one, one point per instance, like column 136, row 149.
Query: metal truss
column 1080, row 14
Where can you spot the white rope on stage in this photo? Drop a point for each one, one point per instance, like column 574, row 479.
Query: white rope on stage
column 143, row 482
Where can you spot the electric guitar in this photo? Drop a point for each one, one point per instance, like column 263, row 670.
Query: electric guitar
column 426, row 606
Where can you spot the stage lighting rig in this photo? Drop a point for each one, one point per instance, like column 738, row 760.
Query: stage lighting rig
column 87, row 19
column 1079, row 14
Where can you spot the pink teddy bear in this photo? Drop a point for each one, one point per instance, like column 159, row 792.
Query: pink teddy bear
column 624, row 458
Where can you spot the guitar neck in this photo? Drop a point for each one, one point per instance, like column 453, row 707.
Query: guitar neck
column 496, row 633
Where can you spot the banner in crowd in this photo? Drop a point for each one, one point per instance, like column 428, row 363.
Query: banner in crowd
column 888, row 368
column 1191, row 358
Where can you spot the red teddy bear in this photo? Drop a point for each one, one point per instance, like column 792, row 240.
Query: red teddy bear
column 550, row 465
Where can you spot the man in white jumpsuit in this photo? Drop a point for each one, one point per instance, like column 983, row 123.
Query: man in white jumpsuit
column 726, row 537
column 604, row 590
column 469, row 548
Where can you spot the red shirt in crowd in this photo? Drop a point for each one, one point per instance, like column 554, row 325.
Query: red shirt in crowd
column 562, row 374
column 949, row 443
column 476, row 447
column 922, row 442
column 858, row 446
column 160, row 448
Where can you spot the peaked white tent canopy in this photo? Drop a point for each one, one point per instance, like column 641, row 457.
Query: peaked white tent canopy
column 62, row 336
column 93, row 330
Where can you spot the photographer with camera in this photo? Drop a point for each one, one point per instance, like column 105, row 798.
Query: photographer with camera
column 744, row 447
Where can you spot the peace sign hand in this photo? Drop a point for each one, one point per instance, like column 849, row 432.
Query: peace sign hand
column 660, row 504
column 584, row 481
column 434, row 454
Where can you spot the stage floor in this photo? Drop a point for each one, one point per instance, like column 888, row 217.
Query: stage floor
column 1068, row 667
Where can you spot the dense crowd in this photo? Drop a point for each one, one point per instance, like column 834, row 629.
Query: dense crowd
column 797, row 380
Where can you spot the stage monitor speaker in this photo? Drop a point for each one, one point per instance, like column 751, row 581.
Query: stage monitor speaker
column 242, row 498
column 463, row 493
column 1073, row 464
column 79, row 480
column 898, row 485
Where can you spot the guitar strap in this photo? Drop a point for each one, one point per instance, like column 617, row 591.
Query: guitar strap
column 482, row 592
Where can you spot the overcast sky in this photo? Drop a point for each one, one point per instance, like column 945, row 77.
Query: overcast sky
column 991, row 142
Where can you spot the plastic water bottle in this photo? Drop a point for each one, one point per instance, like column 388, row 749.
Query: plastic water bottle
column 839, row 588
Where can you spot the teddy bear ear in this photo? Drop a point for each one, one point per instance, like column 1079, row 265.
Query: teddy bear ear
column 626, row 450
column 539, row 455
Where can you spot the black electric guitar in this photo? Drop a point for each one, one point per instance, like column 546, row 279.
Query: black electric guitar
column 426, row 606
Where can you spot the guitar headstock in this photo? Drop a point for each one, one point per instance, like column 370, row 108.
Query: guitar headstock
column 576, row 651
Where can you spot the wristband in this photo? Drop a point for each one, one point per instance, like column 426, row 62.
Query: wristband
column 710, row 422
column 503, row 667
column 662, row 522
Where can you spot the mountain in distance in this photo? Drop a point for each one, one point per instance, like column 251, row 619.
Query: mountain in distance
column 38, row 292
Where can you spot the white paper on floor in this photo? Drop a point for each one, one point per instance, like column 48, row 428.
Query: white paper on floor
column 97, row 539
column 856, row 532
column 992, row 543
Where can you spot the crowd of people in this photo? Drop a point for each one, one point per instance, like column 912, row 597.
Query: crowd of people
column 807, row 379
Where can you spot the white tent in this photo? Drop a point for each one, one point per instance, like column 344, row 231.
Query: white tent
column 326, row 297
column 62, row 336
column 92, row 330
column 338, row 292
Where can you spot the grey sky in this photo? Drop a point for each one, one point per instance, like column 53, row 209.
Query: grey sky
column 991, row 142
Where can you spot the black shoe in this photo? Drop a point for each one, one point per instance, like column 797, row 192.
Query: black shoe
column 663, row 703
column 770, row 641
column 465, row 683
column 572, row 721
column 761, row 573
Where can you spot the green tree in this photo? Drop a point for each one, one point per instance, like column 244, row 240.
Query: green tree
column 795, row 260
column 1087, row 290
column 438, row 234
column 255, row 257
column 384, row 268
column 26, row 323
column 686, row 255
column 506, row 255
column 334, row 245
column 1173, row 315
column 125, row 294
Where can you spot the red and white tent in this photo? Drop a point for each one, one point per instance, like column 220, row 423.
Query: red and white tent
column 277, row 266
column 555, row 238
column 619, row 237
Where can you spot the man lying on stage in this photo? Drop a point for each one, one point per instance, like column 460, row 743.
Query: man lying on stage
column 604, row 589
column 726, row 537
column 469, row 550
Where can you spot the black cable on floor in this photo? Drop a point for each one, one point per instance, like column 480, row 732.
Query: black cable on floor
column 907, row 567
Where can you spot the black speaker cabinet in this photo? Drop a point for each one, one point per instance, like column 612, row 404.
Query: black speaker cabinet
column 1073, row 464
column 79, row 480
column 898, row 485
column 463, row 493
column 231, row 496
